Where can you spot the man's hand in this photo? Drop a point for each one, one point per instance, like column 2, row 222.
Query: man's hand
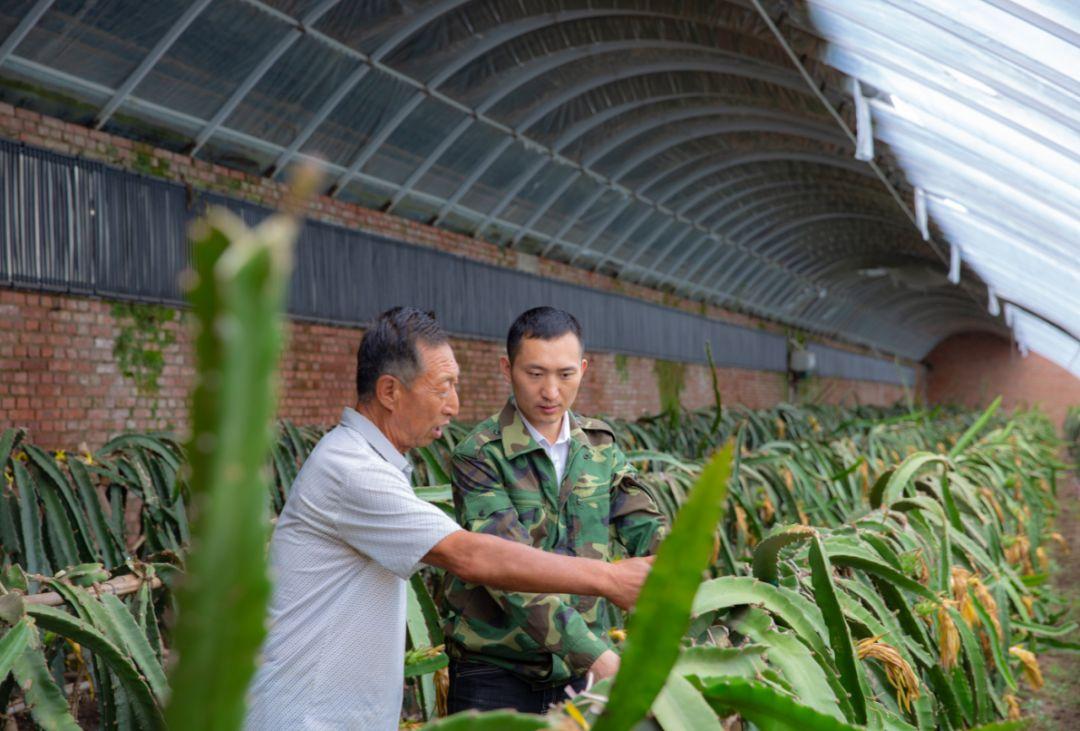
column 627, row 577
column 605, row 666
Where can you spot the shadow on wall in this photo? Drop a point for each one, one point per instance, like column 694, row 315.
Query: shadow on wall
column 973, row 368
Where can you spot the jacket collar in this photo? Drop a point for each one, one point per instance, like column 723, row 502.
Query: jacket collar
column 516, row 439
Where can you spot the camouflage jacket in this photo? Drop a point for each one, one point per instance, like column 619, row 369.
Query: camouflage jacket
column 504, row 484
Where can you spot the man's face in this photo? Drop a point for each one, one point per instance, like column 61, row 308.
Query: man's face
column 545, row 377
column 431, row 401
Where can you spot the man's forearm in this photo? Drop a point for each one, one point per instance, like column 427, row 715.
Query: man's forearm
column 502, row 564
column 527, row 583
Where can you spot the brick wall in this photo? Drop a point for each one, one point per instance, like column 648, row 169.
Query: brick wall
column 32, row 128
column 60, row 380
column 973, row 368
column 58, row 376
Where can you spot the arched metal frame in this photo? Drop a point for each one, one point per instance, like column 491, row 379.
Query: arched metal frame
column 726, row 164
column 565, row 96
column 723, row 286
column 771, row 184
column 653, row 151
column 487, row 43
column 689, row 253
column 520, row 79
column 802, row 203
column 712, row 191
column 768, row 207
column 29, row 20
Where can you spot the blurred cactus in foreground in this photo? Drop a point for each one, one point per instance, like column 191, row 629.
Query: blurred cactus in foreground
column 237, row 291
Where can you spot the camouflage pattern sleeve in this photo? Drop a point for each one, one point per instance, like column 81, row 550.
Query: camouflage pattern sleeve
column 639, row 525
column 483, row 506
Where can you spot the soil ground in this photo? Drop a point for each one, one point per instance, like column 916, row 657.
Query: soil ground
column 1057, row 705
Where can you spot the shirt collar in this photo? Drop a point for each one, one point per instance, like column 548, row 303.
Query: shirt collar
column 353, row 419
column 517, row 439
column 564, row 431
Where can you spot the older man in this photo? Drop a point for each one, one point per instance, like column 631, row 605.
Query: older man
column 542, row 476
column 352, row 531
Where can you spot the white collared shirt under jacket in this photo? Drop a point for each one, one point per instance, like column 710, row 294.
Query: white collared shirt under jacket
column 559, row 452
column 350, row 535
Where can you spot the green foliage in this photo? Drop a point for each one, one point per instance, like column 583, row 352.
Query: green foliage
column 825, row 595
column 239, row 290
column 767, row 553
column 894, row 513
column 1071, row 429
column 492, row 721
column 119, row 663
column 44, row 698
column 663, row 612
column 140, row 344
column 12, row 645
column 766, row 707
column 670, row 381
column 969, row 436
column 681, row 706
column 147, row 164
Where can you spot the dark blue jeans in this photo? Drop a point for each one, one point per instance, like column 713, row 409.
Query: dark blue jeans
column 487, row 688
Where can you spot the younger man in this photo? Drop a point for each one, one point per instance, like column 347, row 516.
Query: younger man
column 537, row 474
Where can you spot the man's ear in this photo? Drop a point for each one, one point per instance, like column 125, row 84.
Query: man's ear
column 388, row 391
column 584, row 365
column 504, row 367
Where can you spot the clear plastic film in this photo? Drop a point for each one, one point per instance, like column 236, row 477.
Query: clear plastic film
column 638, row 137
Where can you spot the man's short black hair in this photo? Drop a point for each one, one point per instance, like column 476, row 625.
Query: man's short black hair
column 543, row 323
column 389, row 347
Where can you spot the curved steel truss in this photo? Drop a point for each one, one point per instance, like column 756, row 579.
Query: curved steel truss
column 791, row 159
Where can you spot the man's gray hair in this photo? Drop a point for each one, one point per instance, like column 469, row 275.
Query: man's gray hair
column 389, row 347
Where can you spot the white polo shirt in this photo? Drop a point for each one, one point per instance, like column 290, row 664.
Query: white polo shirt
column 559, row 452
column 352, row 531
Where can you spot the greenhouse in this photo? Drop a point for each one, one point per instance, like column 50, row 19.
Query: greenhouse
column 528, row 364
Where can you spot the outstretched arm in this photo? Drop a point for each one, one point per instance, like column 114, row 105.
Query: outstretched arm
column 503, row 564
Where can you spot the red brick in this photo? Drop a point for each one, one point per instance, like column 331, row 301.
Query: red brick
column 75, row 334
column 972, row 368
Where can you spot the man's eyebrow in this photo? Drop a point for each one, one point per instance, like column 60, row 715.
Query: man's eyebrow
column 538, row 367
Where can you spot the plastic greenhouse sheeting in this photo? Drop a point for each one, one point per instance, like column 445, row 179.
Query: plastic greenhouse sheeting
column 816, row 162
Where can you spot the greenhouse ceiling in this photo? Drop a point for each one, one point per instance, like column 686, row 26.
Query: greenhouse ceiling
column 887, row 171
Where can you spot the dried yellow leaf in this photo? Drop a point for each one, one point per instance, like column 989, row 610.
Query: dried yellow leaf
column 442, row 691
column 948, row 636
column 897, row 670
column 1029, row 664
column 768, row 510
column 1014, row 706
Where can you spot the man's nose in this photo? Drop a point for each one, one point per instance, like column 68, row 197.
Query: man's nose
column 452, row 404
column 550, row 390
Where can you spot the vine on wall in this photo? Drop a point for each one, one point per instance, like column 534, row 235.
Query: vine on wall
column 139, row 348
column 670, row 380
